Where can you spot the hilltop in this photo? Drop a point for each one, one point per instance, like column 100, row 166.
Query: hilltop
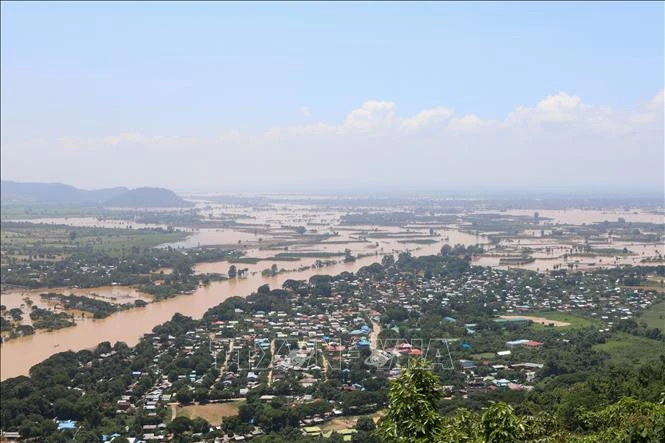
column 52, row 194
column 144, row 197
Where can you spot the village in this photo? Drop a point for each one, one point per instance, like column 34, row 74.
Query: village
column 327, row 348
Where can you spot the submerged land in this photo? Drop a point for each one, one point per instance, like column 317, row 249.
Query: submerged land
column 278, row 317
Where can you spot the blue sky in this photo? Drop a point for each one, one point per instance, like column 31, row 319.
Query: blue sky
column 95, row 70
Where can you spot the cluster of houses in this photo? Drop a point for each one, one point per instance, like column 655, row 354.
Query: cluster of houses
column 314, row 335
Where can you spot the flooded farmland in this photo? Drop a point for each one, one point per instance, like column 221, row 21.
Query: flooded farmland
column 263, row 233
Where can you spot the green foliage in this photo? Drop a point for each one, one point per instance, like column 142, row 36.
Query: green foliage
column 45, row 319
column 365, row 423
column 412, row 414
column 98, row 308
column 627, row 420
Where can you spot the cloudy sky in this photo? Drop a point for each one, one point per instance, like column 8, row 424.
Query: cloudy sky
column 325, row 96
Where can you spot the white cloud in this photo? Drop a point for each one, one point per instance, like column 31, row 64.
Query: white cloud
column 371, row 114
column 306, row 111
column 466, row 123
column 557, row 140
column 657, row 101
column 558, row 108
column 426, row 118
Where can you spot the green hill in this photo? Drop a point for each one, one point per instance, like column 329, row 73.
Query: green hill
column 58, row 194
column 147, row 197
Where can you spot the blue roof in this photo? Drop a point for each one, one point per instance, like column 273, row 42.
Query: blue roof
column 66, row 424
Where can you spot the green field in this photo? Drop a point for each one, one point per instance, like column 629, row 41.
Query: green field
column 21, row 240
column 575, row 320
column 655, row 316
column 629, row 350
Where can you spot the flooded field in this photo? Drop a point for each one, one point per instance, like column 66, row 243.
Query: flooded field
column 316, row 241
column 19, row 354
column 586, row 216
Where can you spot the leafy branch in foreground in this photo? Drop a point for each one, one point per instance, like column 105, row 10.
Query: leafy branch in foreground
column 413, row 417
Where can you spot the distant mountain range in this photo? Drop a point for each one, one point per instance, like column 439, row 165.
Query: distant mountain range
column 17, row 193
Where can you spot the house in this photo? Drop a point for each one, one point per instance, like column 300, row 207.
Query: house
column 312, row 431
column 66, row 424
column 10, row 436
column 307, row 382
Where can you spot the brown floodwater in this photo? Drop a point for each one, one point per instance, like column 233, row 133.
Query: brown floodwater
column 18, row 355
column 582, row 216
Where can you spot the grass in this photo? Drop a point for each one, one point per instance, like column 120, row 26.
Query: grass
column 349, row 422
column 655, row 316
column 576, row 320
column 213, row 412
column 628, row 350
column 244, row 260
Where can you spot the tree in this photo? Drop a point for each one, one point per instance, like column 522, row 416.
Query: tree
column 184, row 395
column 501, row 425
column 365, row 423
column 180, row 425
column 412, row 412
column 446, row 250
column 200, row 425
column 232, row 271
column 388, row 261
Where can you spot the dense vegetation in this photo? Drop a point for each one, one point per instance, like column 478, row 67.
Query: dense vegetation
column 413, row 415
column 98, row 308
column 582, row 394
column 37, row 256
column 49, row 320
